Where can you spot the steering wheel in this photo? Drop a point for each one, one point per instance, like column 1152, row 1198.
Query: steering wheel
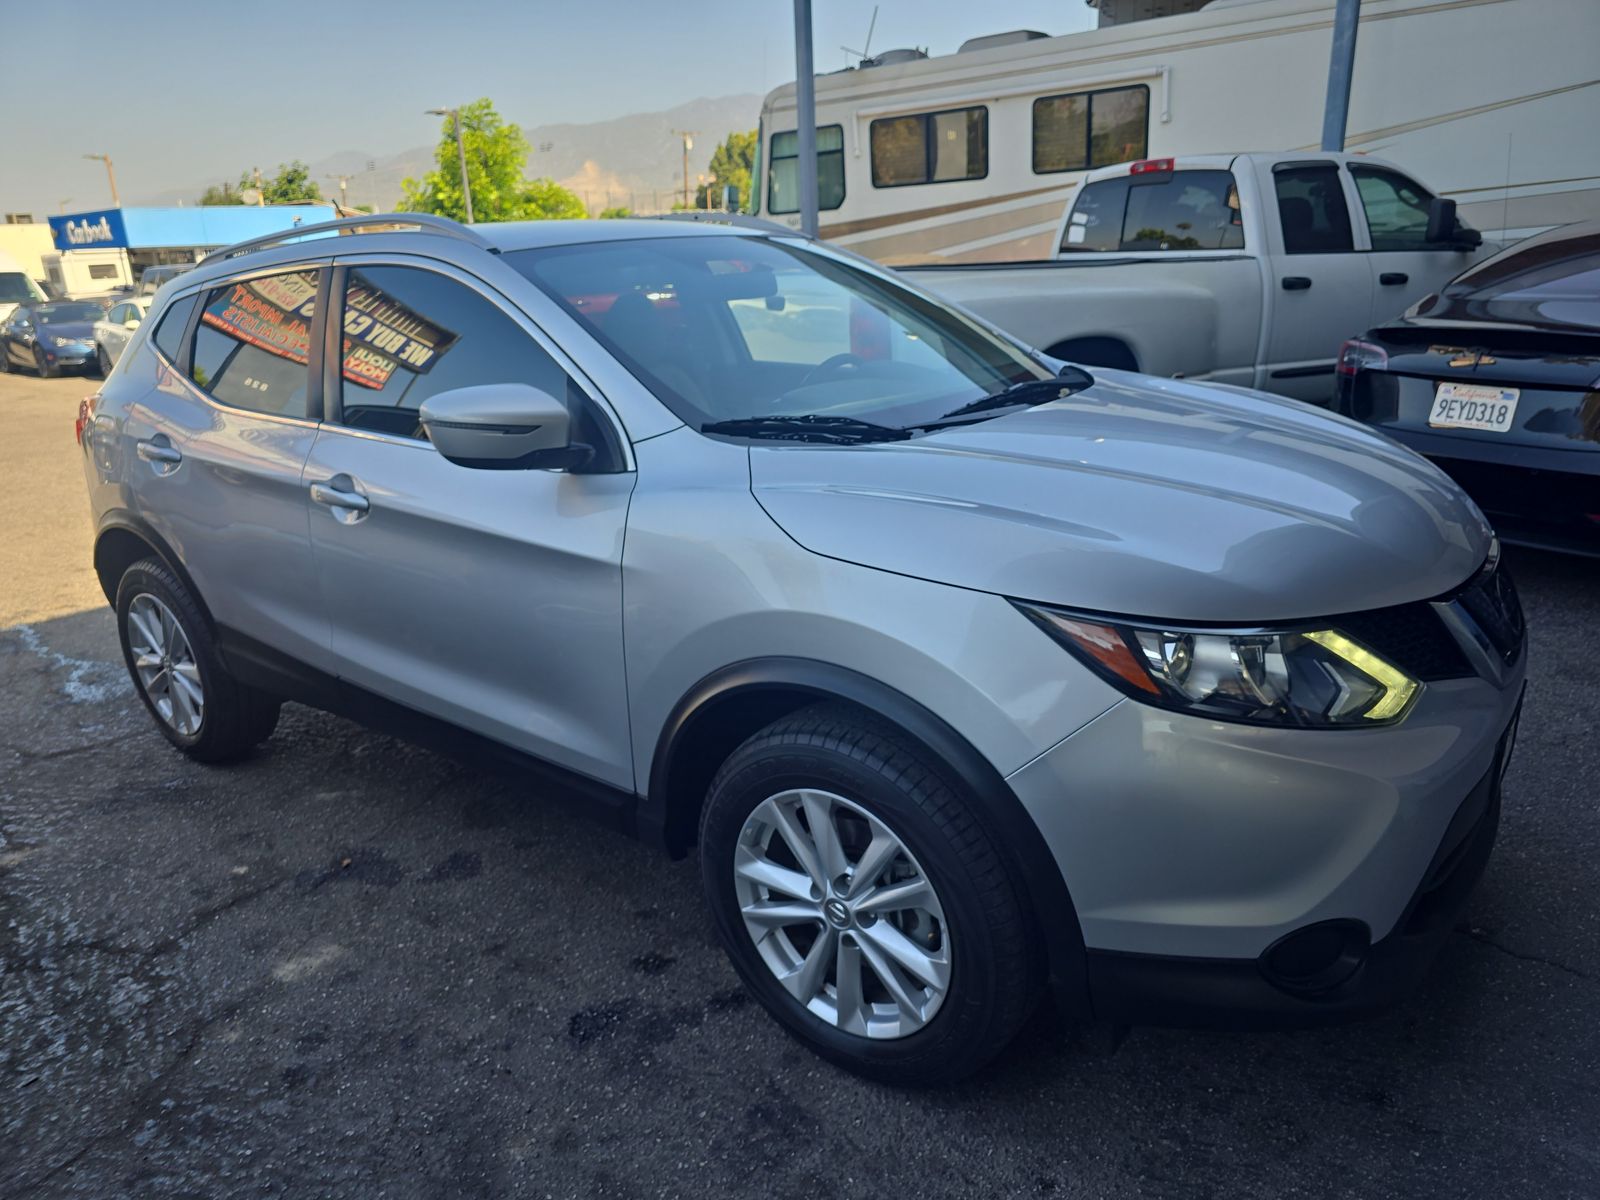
column 830, row 366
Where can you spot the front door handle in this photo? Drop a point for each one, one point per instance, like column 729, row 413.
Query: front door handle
column 153, row 451
column 1295, row 283
column 1393, row 278
column 329, row 493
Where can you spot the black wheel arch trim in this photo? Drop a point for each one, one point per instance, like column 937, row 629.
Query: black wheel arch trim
column 121, row 521
column 1045, row 891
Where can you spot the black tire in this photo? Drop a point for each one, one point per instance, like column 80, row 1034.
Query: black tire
column 235, row 717
column 44, row 371
column 5, row 358
column 102, row 364
column 996, row 965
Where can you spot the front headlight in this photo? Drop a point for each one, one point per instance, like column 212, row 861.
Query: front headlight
column 63, row 341
column 1306, row 677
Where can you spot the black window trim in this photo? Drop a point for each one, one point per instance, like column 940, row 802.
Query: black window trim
column 927, row 146
column 772, row 160
column 314, row 399
column 621, row 449
column 1088, row 141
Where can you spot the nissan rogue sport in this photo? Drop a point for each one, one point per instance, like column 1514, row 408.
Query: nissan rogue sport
column 969, row 675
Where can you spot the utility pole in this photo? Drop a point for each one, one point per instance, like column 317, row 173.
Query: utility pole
column 461, row 153
column 805, row 104
column 1341, row 65
column 688, row 144
column 344, row 189
column 111, row 176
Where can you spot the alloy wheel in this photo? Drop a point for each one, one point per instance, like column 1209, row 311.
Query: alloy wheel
column 165, row 665
column 842, row 913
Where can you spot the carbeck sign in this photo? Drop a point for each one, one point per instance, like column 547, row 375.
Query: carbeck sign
column 88, row 231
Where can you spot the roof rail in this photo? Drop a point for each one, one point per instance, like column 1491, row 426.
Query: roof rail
column 741, row 220
column 373, row 222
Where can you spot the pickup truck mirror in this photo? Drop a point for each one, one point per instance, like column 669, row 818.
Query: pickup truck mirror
column 1446, row 229
column 503, row 427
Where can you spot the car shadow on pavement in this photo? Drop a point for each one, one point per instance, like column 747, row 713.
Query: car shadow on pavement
column 348, row 965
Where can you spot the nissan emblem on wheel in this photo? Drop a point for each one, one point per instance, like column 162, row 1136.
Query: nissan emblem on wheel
column 972, row 677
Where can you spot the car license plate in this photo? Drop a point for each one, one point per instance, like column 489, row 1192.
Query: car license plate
column 1473, row 406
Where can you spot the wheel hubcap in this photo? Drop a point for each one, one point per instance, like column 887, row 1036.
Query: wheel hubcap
column 165, row 665
column 842, row 914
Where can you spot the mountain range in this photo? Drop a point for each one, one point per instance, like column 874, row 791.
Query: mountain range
column 635, row 161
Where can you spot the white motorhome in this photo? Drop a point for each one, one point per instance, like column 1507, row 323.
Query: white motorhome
column 973, row 156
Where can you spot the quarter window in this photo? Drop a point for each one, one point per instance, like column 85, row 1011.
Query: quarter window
column 252, row 343
column 1083, row 130
column 169, row 334
column 1312, row 210
column 1396, row 210
column 783, row 184
column 937, row 147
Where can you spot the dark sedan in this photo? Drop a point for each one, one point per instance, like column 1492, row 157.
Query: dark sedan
column 50, row 338
column 1497, row 380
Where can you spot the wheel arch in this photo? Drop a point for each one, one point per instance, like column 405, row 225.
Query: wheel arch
column 123, row 539
column 730, row 704
column 1097, row 351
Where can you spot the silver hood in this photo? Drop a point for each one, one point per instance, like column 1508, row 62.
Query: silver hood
column 1142, row 497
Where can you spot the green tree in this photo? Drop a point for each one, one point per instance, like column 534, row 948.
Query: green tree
column 219, row 193
column 616, row 213
column 292, row 182
column 497, row 156
column 731, row 164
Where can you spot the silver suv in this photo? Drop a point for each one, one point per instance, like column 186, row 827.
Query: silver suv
column 969, row 675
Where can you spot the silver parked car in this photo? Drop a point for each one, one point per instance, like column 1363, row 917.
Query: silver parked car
column 968, row 674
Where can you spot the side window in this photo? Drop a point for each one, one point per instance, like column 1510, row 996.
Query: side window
column 116, row 314
column 411, row 333
column 1312, row 210
column 1083, row 130
column 783, row 184
column 251, row 347
column 169, row 334
column 938, row 147
column 1188, row 210
column 1396, row 210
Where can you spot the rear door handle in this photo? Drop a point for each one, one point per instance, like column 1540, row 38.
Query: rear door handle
column 1393, row 278
column 1295, row 283
column 162, row 451
column 327, row 493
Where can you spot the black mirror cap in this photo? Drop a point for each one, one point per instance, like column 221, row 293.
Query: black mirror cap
column 1076, row 378
column 1446, row 229
column 572, row 458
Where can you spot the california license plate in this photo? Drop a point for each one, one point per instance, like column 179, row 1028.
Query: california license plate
column 1473, row 406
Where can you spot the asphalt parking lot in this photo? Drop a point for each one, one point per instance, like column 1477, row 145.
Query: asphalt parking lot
column 350, row 967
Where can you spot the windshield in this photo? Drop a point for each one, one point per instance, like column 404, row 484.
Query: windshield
column 731, row 328
column 17, row 288
column 62, row 314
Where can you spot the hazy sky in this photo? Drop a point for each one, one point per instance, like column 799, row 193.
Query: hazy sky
column 184, row 91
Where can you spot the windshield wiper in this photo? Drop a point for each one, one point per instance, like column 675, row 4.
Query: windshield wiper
column 1029, row 392
column 808, row 427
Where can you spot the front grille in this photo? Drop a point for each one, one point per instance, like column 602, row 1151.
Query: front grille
column 1491, row 601
column 1412, row 637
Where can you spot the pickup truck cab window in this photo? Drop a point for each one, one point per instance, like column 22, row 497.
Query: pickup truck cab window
column 1184, row 210
column 1396, row 209
column 1311, row 207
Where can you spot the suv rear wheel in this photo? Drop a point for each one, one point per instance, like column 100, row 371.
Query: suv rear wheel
column 197, row 705
column 861, row 900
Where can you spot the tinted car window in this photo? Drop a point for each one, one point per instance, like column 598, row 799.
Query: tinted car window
column 1190, row 210
column 1312, row 210
column 410, row 334
column 1396, row 209
column 169, row 334
column 252, row 344
column 783, row 190
column 67, row 314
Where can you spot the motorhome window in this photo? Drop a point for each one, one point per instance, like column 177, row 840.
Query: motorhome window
column 783, row 182
column 1083, row 130
column 1312, row 210
column 1191, row 210
column 936, row 147
column 1396, row 209
column 102, row 270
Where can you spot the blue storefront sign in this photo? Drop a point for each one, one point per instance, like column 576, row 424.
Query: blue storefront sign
column 90, row 230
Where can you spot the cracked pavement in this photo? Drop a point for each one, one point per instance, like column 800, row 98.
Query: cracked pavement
column 351, row 967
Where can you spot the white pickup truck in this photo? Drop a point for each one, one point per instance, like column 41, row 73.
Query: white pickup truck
column 1240, row 268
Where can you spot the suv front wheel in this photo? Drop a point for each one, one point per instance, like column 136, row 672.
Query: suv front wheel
column 861, row 900
column 198, row 706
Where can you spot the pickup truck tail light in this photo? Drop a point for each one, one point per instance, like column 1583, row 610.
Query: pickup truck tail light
column 85, row 415
column 1153, row 166
column 1356, row 355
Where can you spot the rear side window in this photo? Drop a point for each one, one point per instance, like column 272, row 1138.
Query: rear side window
column 252, row 344
column 1312, row 210
column 937, row 147
column 169, row 334
column 1190, row 210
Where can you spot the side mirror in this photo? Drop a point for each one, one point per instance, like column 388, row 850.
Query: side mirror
column 131, row 323
column 1445, row 228
column 503, row 427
